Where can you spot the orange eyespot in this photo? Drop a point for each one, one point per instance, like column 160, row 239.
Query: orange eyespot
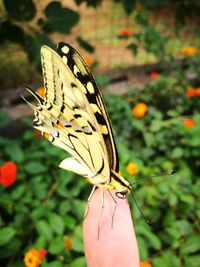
column 46, row 135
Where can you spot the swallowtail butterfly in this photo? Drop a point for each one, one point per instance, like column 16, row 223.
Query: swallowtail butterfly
column 72, row 116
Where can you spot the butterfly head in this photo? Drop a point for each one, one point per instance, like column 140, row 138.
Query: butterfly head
column 122, row 194
column 120, row 185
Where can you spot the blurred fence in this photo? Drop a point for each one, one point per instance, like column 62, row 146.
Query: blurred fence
column 101, row 27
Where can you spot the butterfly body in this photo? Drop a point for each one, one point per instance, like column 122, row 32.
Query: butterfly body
column 72, row 116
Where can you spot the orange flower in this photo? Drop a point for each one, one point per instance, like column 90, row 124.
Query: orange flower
column 188, row 51
column 190, row 92
column 68, row 243
column 125, row 33
column 193, row 92
column 153, row 75
column 197, row 91
column 8, row 173
column 139, row 110
column 132, row 168
column 37, row 134
column 89, row 61
column 188, row 123
column 41, row 91
column 145, row 264
column 33, row 257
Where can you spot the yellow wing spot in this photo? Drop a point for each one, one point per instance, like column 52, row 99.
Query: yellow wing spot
column 55, row 112
column 95, row 108
column 103, row 129
column 65, row 49
column 76, row 70
column 64, row 59
column 90, row 87
column 78, row 95
column 80, row 85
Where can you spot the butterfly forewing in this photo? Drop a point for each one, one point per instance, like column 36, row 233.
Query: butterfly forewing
column 88, row 86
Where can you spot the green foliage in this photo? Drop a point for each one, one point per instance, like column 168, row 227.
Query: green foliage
column 46, row 204
column 20, row 10
column 183, row 9
column 41, row 207
column 159, row 142
column 26, row 26
column 60, row 19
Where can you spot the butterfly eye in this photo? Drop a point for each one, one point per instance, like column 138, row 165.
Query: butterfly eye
column 122, row 194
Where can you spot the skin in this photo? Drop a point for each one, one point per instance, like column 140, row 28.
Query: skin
column 110, row 246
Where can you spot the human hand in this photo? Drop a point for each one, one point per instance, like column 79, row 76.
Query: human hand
column 107, row 243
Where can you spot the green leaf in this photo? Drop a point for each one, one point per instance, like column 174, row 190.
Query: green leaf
column 40, row 242
column 77, row 240
column 134, row 48
column 78, row 262
column 15, row 153
column 54, row 264
column 167, row 259
column 64, row 208
column 4, row 119
column 18, row 192
column 6, row 234
column 56, row 245
column 149, row 139
column 44, row 229
column 192, row 261
column 38, row 213
column 152, row 238
column 143, row 248
column 69, row 222
column 172, row 113
column 191, row 245
column 56, row 223
column 88, row 47
column 32, row 46
column 177, row 153
column 156, row 125
column 102, row 80
column 21, row 10
column 9, row 249
column 92, row 3
column 128, row 6
column 78, row 208
column 35, row 167
column 180, row 228
column 60, row 19
column 169, row 218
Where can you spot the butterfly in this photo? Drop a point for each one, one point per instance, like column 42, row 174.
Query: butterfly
column 72, row 115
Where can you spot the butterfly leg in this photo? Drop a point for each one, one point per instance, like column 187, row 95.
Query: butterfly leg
column 102, row 207
column 88, row 202
column 113, row 214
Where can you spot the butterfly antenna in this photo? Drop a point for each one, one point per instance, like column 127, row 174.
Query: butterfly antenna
column 147, row 220
column 161, row 174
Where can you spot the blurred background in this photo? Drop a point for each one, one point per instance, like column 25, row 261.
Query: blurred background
column 145, row 57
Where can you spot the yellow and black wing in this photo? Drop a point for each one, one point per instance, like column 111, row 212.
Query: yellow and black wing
column 81, row 71
column 72, row 115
